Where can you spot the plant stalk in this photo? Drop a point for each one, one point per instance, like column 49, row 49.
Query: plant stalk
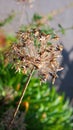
column 66, row 29
column 21, row 98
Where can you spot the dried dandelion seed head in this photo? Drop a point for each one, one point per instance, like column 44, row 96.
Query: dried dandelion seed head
column 34, row 50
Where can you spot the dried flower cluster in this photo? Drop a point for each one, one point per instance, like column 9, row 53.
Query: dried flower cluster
column 18, row 124
column 27, row 2
column 34, row 50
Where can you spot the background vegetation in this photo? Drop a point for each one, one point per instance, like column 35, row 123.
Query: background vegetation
column 42, row 107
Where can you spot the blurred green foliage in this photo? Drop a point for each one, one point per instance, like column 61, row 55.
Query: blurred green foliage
column 62, row 30
column 7, row 20
column 36, row 17
column 9, row 78
column 47, row 110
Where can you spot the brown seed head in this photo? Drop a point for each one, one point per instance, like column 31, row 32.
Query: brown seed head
column 34, row 50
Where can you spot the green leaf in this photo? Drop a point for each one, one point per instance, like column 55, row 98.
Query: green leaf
column 61, row 29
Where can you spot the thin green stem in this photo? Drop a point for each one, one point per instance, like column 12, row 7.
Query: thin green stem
column 66, row 29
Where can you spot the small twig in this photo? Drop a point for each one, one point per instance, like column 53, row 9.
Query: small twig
column 66, row 29
column 22, row 95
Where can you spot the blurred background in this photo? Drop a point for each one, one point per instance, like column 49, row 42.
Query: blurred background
column 61, row 12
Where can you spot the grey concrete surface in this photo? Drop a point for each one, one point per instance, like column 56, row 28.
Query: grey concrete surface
column 65, row 82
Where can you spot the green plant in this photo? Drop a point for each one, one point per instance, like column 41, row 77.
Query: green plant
column 47, row 109
column 7, row 20
column 8, row 78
